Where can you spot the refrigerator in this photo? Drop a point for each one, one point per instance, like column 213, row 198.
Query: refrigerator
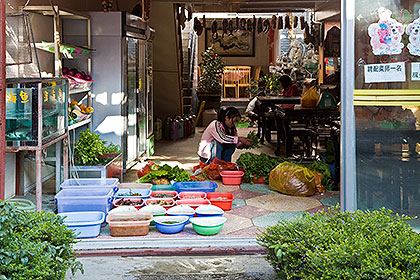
column 122, row 93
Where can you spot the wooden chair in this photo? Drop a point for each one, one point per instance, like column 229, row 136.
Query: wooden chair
column 257, row 74
column 244, row 79
column 230, row 79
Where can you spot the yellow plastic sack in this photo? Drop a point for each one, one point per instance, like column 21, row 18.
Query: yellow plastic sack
column 290, row 178
column 310, row 98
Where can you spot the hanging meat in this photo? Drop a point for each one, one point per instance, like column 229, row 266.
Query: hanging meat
column 214, row 30
column 280, row 23
column 266, row 25
column 287, row 22
column 242, row 25
column 231, row 28
column 302, row 22
column 203, row 25
column 198, row 28
column 237, row 24
column 295, row 22
column 273, row 22
column 225, row 24
column 249, row 25
column 254, row 22
column 259, row 26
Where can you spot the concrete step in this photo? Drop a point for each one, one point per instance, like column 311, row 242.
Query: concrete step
column 239, row 104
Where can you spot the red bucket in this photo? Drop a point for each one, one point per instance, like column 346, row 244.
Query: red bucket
column 222, row 200
column 232, row 177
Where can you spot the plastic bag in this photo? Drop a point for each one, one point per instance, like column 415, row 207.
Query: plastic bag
column 212, row 171
column 293, row 179
column 310, row 98
column 146, row 168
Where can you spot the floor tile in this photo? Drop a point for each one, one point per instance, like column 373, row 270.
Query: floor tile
column 238, row 203
column 234, row 223
column 245, row 194
column 249, row 211
column 247, row 232
column 316, row 209
column 273, row 218
column 225, row 188
column 258, row 188
column 330, row 201
column 281, row 202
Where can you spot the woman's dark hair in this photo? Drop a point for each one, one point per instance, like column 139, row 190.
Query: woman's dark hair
column 285, row 81
column 229, row 112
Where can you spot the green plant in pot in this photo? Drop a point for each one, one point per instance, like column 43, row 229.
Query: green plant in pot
column 90, row 149
column 270, row 83
column 211, row 70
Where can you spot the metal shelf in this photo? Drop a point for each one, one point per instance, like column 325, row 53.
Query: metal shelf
column 79, row 124
column 78, row 90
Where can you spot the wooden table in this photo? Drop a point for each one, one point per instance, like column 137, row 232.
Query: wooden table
column 299, row 113
column 266, row 102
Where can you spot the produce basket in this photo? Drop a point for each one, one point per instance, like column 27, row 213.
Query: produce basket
column 164, row 202
column 129, row 223
column 232, row 177
column 128, row 201
column 193, row 203
column 164, row 194
column 192, row 195
column 222, row 200
column 138, row 193
column 195, row 186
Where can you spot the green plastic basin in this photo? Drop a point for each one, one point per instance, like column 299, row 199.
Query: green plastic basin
column 208, row 225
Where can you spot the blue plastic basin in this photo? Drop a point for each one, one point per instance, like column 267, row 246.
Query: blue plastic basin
column 86, row 199
column 171, row 228
column 143, row 193
column 84, row 224
column 193, row 186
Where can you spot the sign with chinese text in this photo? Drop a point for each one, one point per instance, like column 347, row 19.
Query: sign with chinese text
column 18, row 100
column 384, row 73
column 415, row 71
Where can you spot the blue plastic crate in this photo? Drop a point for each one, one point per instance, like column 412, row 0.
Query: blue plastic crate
column 84, row 224
column 86, row 199
column 143, row 193
column 111, row 183
column 195, row 186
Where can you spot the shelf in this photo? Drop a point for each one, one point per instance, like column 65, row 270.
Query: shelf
column 79, row 124
column 78, row 90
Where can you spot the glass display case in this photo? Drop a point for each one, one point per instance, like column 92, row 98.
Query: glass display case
column 36, row 109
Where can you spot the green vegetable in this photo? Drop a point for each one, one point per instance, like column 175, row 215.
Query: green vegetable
column 255, row 141
column 322, row 168
column 258, row 165
column 171, row 173
column 90, row 146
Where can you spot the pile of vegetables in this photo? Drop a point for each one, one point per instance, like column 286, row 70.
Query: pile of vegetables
column 73, row 72
column 256, row 166
column 162, row 175
column 254, row 140
column 90, row 147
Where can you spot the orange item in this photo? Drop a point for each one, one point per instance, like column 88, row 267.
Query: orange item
column 232, row 177
column 222, row 200
column 212, row 171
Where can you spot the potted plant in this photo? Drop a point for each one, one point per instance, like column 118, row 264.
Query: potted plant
column 211, row 71
column 92, row 153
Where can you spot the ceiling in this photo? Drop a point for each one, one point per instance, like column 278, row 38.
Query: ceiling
column 257, row 6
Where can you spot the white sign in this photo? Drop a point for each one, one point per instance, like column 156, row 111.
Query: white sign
column 383, row 73
column 415, row 71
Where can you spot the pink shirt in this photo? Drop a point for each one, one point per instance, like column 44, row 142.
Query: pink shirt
column 214, row 131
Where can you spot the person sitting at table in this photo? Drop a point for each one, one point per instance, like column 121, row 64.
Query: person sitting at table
column 252, row 108
column 289, row 88
column 220, row 138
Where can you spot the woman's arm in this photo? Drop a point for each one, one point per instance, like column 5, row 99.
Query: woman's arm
column 219, row 134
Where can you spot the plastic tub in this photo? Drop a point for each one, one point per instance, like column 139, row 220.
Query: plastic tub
column 177, row 226
column 22, row 204
column 135, row 186
column 155, row 210
column 209, row 211
column 181, row 210
column 259, row 180
column 81, row 200
column 193, row 203
column 164, row 194
column 208, row 226
column 195, row 186
column 164, row 202
column 84, row 224
column 192, row 195
column 129, row 223
column 133, row 193
column 232, row 177
column 163, row 188
column 136, row 202
column 111, row 183
column 222, row 200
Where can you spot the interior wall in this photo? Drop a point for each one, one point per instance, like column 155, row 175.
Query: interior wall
column 167, row 96
column 260, row 58
column 75, row 5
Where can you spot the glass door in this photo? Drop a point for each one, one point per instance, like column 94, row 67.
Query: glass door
column 386, row 104
column 141, row 102
column 132, row 93
column 149, row 96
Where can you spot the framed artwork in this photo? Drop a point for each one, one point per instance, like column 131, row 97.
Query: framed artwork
column 239, row 43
